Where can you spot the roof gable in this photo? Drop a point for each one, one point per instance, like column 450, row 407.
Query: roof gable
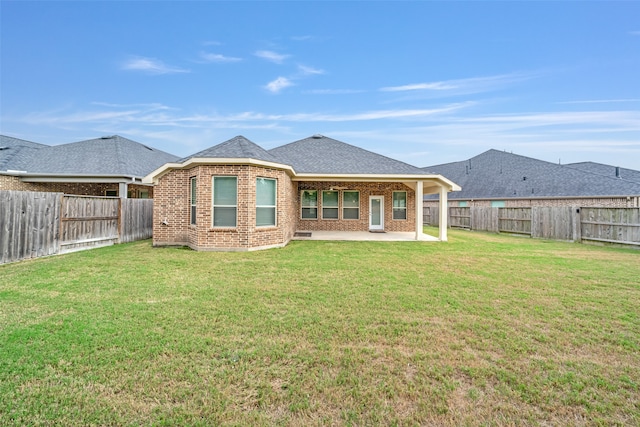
column 322, row 155
column 238, row 147
column 497, row 174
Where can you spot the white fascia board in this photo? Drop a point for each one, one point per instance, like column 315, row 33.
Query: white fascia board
column 153, row 177
column 439, row 179
column 46, row 177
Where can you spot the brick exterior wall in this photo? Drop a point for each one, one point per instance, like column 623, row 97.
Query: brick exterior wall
column 8, row 182
column 172, row 205
column 171, row 211
column 366, row 189
column 593, row 202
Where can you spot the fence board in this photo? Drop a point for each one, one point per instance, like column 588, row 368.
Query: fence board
column 460, row 217
column 88, row 222
column 607, row 225
column 137, row 219
column 28, row 224
column 611, row 225
column 34, row 224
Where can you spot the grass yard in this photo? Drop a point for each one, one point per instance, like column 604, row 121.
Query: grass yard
column 482, row 330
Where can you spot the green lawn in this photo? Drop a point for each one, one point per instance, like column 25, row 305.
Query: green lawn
column 481, row 330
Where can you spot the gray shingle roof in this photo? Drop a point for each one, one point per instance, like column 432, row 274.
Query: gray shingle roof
column 15, row 153
column 113, row 155
column 238, row 147
column 607, row 170
column 323, row 155
column 499, row 175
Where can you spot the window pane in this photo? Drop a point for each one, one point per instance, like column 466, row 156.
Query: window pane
column 265, row 192
column 399, row 213
column 309, row 213
column 350, row 213
column 351, row 199
column 193, row 191
column 193, row 214
column 330, row 199
column 265, row 216
column 399, row 199
column 224, row 217
column 330, row 213
column 225, row 190
column 309, row 198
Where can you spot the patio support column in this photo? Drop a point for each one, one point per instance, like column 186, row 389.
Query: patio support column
column 442, row 217
column 419, row 205
column 122, row 190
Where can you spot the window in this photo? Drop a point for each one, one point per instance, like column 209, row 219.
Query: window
column 265, row 202
column 497, row 204
column 350, row 205
column 462, row 204
column 225, row 201
column 329, row 205
column 111, row 193
column 192, row 216
column 309, row 203
column 143, row 194
column 399, row 205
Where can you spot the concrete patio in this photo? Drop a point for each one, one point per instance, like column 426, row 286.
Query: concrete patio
column 363, row 235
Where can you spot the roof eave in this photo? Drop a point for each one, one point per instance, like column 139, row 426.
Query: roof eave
column 442, row 181
column 74, row 177
column 154, row 176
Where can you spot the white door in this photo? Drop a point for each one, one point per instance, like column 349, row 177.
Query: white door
column 376, row 212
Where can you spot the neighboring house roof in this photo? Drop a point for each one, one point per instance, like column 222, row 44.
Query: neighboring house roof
column 319, row 154
column 238, row 147
column 112, row 156
column 15, row 153
column 607, row 170
column 498, row 175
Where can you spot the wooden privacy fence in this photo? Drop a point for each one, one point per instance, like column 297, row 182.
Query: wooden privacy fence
column 579, row 224
column 34, row 224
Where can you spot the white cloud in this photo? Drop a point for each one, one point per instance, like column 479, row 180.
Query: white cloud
column 151, row 66
column 463, row 86
column 271, row 56
column 600, row 101
column 305, row 70
column 278, row 84
column 333, row 91
column 215, row 57
column 420, row 86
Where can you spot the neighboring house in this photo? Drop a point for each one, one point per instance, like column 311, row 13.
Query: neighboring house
column 107, row 166
column 238, row 196
column 501, row 179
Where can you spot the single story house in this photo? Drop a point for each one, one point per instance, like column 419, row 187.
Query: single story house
column 500, row 179
column 107, row 166
column 239, row 196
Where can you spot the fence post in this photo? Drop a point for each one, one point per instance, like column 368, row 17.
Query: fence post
column 576, row 232
column 120, row 220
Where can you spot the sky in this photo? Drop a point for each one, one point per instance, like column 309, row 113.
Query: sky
column 425, row 82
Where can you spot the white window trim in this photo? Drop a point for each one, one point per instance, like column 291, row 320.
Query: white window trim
column 213, row 206
column 406, row 207
column 331, row 207
column 307, row 207
column 275, row 206
column 350, row 207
